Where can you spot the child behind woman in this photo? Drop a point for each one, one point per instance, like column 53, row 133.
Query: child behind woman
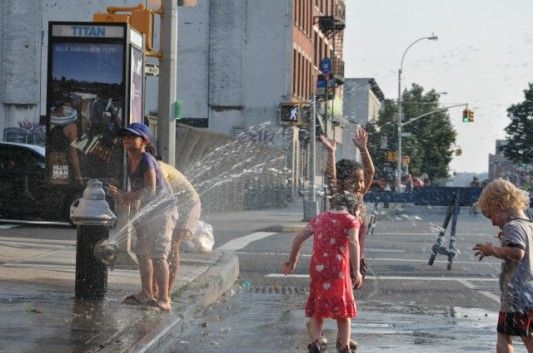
column 335, row 248
column 503, row 204
column 349, row 178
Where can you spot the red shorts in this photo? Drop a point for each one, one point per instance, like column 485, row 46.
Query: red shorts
column 515, row 324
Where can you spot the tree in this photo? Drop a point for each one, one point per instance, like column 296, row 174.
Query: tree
column 429, row 146
column 519, row 147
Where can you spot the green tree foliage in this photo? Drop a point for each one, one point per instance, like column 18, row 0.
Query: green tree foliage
column 519, row 147
column 432, row 137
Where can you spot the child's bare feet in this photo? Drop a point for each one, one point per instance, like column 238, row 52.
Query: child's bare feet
column 137, row 299
column 159, row 305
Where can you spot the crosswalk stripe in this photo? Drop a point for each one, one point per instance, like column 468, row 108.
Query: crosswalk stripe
column 239, row 243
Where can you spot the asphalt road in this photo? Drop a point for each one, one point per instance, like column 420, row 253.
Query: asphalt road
column 405, row 305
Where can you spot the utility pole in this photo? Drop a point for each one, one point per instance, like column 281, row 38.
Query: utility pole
column 311, row 205
column 399, row 165
column 166, row 122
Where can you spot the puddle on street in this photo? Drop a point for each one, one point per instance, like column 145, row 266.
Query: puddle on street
column 236, row 320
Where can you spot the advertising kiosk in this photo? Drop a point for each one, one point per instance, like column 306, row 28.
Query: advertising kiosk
column 94, row 87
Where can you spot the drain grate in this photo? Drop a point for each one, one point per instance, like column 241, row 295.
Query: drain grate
column 276, row 290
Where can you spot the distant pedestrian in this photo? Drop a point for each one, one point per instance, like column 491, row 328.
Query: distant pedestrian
column 475, row 182
column 335, row 251
column 504, row 205
column 407, row 180
column 154, row 207
column 417, row 182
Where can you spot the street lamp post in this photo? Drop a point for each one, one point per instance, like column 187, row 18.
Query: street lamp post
column 399, row 167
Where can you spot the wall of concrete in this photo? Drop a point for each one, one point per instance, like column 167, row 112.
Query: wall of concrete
column 193, row 60
column 360, row 107
column 245, row 46
column 20, row 56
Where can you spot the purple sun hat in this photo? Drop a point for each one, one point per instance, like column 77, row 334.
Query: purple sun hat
column 137, row 129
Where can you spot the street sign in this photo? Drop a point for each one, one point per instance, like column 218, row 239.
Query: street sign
column 151, row 70
column 407, row 134
column 325, row 65
column 178, row 110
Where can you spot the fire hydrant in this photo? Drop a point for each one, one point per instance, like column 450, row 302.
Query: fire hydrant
column 93, row 217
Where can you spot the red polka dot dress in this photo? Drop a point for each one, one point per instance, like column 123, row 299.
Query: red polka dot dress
column 331, row 293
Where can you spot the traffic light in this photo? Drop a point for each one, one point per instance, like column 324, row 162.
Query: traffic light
column 111, row 17
column 139, row 17
column 143, row 21
column 468, row 116
column 391, row 156
column 471, row 116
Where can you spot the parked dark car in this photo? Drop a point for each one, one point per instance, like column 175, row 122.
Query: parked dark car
column 24, row 192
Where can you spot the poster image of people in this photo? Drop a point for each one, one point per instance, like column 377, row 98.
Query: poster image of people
column 85, row 108
column 136, row 85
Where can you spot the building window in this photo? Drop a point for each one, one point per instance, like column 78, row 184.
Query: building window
column 300, row 78
column 294, row 71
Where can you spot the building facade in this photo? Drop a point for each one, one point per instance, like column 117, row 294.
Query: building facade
column 362, row 104
column 501, row 167
column 242, row 62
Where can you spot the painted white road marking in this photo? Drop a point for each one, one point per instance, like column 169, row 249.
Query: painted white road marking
column 239, row 243
column 8, row 226
column 369, row 258
column 398, row 278
column 472, row 286
column 377, row 233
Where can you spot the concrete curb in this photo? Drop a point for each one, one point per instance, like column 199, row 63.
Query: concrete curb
column 199, row 294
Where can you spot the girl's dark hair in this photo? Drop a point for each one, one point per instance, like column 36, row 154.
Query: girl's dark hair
column 344, row 201
column 151, row 149
column 346, row 168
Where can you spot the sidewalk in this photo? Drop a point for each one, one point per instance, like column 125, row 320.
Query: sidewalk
column 38, row 311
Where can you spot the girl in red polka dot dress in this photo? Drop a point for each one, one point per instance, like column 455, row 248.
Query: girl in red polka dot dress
column 335, row 247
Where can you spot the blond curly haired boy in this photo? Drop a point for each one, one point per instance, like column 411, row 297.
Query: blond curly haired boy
column 504, row 204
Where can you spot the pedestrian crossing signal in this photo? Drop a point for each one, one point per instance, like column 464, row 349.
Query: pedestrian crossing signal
column 290, row 114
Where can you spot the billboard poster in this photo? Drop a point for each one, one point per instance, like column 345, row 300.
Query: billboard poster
column 136, row 85
column 85, row 107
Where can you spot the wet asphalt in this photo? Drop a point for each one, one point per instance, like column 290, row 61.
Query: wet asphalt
column 405, row 306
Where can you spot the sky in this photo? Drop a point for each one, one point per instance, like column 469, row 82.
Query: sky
column 483, row 57
column 88, row 62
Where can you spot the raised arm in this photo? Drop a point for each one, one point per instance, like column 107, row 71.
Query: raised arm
column 331, row 170
column 360, row 140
